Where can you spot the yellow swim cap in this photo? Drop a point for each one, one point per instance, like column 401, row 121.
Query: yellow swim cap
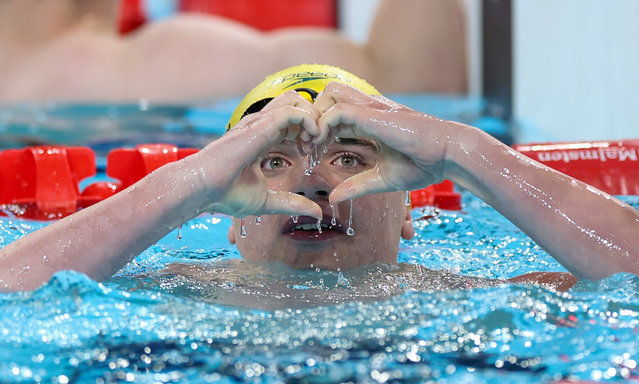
column 307, row 79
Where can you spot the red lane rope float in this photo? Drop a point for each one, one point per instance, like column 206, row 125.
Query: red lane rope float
column 128, row 165
column 440, row 195
column 41, row 182
column 611, row 166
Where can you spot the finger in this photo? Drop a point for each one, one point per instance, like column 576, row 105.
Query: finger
column 399, row 131
column 365, row 183
column 340, row 114
column 335, row 92
column 289, row 98
column 289, row 203
column 275, row 125
column 255, row 136
column 294, row 99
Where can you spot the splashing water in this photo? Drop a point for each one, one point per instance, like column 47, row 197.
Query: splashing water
column 152, row 324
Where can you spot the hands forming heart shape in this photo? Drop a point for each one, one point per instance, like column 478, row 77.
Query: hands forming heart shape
column 411, row 150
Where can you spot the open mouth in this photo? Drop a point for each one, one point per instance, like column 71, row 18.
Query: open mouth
column 312, row 227
column 305, row 229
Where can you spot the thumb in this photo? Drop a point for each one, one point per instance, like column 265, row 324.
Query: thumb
column 365, row 183
column 289, row 203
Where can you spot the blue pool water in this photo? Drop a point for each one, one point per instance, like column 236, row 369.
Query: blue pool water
column 150, row 324
column 190, row 310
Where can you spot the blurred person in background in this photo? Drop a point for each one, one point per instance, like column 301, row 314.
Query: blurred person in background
column 71, row 51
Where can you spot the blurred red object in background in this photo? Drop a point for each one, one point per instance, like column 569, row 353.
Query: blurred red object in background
column 265, row 15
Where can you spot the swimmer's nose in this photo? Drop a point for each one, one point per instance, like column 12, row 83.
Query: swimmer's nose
column 319, row 193
column 313, row 187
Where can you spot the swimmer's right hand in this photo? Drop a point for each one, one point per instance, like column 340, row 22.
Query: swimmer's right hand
column 230, row 166
column 412, row 146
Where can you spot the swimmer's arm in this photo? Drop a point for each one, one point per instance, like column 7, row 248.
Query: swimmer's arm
column 99, row 240
column 589, row 232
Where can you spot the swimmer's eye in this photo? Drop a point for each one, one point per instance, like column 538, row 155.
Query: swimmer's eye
column 348, row 160
column 273, row 163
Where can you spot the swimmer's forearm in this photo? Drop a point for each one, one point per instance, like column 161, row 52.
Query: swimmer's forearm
column 99, row 240
column 592, row 234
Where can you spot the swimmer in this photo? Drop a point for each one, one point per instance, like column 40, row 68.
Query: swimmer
column 69, row 51
column 372, row 150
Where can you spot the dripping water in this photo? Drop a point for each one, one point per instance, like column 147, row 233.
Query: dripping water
column 243, row 227
column 350, row 231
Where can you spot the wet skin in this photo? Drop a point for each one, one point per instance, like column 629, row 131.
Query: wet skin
column 378, row 220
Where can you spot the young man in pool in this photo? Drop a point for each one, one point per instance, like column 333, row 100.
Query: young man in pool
column 383, row 149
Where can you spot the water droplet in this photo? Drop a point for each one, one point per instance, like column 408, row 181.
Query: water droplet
column 350, row 231
column 295, row 218
column 336, row 139
column 307, row 166
column 407, row 200
column 258, row 220
column 333, row 220
column 319, row 225
column 179, row 232
column 243, row 227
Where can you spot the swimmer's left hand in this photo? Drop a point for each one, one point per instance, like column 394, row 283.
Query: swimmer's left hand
column 412, row 145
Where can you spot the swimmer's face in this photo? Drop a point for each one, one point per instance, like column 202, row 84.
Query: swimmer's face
column 377, row 220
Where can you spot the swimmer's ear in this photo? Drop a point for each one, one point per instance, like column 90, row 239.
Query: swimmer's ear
column 408, row 232
column 231, row 234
